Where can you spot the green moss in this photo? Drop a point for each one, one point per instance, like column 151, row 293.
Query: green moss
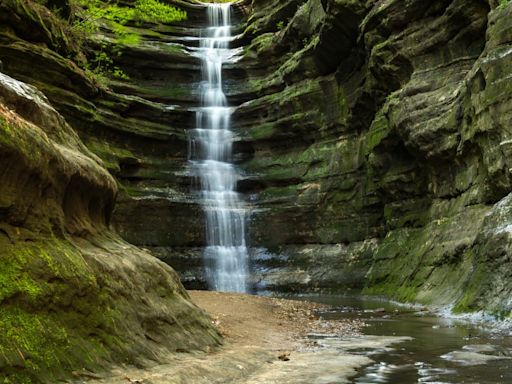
column 126, row 35
column 261, row 43
column 14, row 278
column 468, row 302
column 343, row 106
column 381, row 127
column 431, row 264
column 379, row 130
column 41, row 342
column 504, row 3
column 19, row 137
column 294, row 65
column 110, row 154
column 38, row 339
column 404, row 293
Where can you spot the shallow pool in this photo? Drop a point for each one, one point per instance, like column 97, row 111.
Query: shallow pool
column 440, row 349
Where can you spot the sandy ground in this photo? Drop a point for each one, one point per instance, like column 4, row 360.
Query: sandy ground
column 274, row 324
column 265, row 343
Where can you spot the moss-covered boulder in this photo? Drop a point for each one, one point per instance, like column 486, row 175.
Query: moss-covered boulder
column 74, row 296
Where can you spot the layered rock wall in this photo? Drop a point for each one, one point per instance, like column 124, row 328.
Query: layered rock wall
column 380, row 135
column 373, row 136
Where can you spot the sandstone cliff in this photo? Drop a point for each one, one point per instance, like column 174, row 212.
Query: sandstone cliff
column 380, row 133
column 374, row 136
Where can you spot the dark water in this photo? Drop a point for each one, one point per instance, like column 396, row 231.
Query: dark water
column 442, row 350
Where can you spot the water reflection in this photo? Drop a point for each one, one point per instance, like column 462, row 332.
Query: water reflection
column 440, row 350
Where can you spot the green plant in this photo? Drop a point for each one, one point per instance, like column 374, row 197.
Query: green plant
column 280, row 25
column 503, row 3
column 157, row 12
column 143, row 10
column 102, row 66
column 91, row 13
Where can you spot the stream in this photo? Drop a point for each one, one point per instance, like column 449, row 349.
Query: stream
column 439, row 350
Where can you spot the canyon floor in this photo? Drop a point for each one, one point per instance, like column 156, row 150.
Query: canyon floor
column 265, row 342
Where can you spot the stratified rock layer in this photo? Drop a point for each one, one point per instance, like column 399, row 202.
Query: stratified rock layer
column 381, row 131
column 374, row 137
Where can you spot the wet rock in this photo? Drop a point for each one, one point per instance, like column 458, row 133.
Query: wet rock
column 380, row 136
column 472, row 358
column 285, row 356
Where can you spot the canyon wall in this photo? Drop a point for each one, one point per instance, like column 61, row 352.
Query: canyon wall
column 380, row 134
column 374, row 137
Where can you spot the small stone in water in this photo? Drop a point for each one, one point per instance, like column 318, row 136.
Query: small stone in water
column 284, row 356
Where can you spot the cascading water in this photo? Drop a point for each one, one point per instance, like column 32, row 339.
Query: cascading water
column 210, row 156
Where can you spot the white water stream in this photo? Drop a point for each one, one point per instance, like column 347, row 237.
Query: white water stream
column 210, row 156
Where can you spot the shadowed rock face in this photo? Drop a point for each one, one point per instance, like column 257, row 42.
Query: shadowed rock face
column 381, row 129
column 374, row 138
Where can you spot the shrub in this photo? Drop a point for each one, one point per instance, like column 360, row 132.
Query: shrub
column 157, row 12
column 92, row 11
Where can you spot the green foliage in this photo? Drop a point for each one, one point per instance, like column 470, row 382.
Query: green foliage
column 280, row 25
column 152, row 11
column 93, row 12
column 109, row 12
column 101, row 65
column 503, row 3
column 156, row 12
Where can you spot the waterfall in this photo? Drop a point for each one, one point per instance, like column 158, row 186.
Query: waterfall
column 210, row 158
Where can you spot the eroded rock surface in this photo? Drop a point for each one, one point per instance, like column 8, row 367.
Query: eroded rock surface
column 74, row 296
column 379, row 135
column 374, row 137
